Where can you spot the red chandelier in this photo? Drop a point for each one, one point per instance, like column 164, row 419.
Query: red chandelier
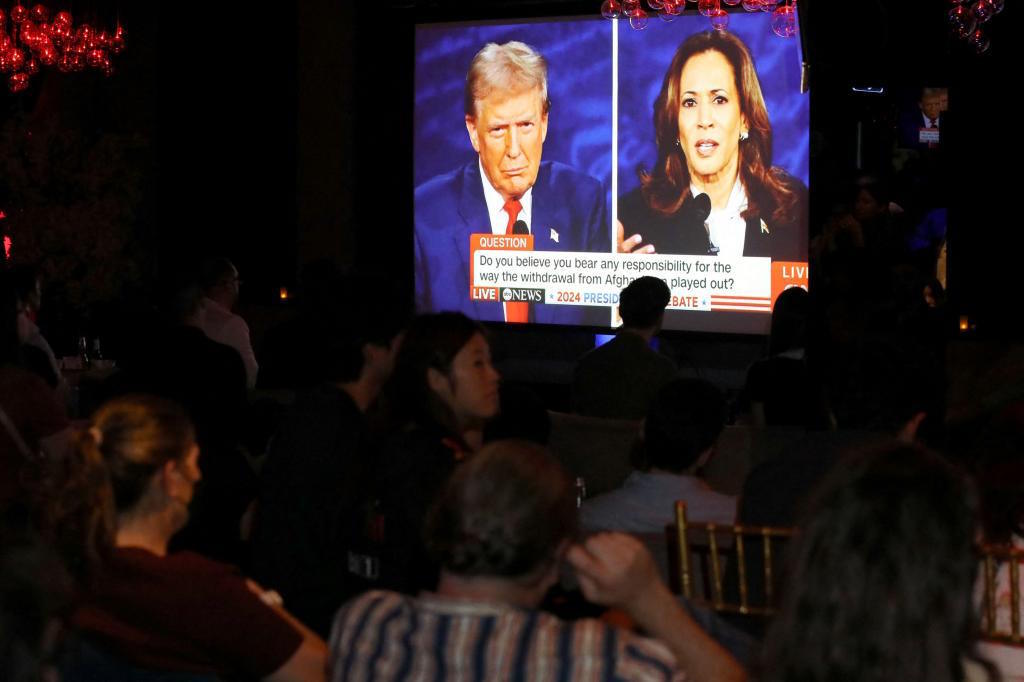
column 784, row 22
column 966, row 18
column 29, row 41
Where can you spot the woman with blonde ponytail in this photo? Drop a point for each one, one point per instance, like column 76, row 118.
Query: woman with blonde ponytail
column 138, row 465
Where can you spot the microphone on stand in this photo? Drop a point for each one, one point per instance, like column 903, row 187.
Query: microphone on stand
column 519, row 227
column 696, row 212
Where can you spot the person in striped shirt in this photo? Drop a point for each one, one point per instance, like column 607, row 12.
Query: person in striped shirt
column 500, row 529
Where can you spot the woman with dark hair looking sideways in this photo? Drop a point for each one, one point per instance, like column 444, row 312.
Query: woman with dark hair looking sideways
column 441, row 393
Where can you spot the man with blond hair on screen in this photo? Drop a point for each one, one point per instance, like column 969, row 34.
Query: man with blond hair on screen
column 507, row 189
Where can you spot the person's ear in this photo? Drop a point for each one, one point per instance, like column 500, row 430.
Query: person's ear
column 438, row 382
column 168, row 479
column 908, row 432
column 471, row 129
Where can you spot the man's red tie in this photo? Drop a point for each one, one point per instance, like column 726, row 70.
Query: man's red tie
column 518, row 311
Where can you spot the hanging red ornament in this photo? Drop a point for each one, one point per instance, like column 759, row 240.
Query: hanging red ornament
column 76, row 47
column 30, row 33
column 962, row 21
column 719, row 19
column 16, row 59
column 18, row 14
column 706, row 7
column 639, row 20
column 784, row 21
column 60, row 32
column 983, row 10
column 672, row 9
column 40, row 14
column 116, row 43
column 979, row 41
column 610, row 9
column 47, row 54
column 18, row 82
column 35, row 42
column 95, row 58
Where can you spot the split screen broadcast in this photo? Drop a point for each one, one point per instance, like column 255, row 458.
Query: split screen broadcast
column 557, row 160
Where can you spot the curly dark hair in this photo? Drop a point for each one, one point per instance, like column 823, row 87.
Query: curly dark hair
column 503, row 513
column 880, row 583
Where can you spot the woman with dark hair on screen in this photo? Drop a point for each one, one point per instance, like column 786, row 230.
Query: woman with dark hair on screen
column 125, row 491
column 713, row 190
column 442, row 391
column 880, row 583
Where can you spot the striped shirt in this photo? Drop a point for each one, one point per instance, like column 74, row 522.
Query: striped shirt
column 388, row 636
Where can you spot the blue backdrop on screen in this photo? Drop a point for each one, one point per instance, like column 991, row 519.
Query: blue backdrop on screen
column 645, row 55
column 579, row 58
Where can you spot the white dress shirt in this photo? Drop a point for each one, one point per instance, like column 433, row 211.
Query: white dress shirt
column 499, row 216
column 224, row 326
column 496, row 206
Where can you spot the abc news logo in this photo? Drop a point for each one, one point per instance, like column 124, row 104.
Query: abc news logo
column 510, row 295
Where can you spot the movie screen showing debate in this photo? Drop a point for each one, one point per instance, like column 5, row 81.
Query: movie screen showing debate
column 557, row 160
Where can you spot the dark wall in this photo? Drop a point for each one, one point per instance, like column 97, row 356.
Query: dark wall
column 226, row 137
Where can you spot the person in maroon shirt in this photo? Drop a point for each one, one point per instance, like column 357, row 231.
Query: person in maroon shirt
column 173, row 612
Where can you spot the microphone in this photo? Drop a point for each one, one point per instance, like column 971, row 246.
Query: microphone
column 519, row 226
column 696, row 212
column 700, row 207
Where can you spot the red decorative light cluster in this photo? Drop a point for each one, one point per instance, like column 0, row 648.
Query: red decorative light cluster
column 639, row 12
column 34, row 41
column 966, row 18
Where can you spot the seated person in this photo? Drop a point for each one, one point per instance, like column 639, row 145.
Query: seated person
column 318, row 463
column 679, row 436
column 32, row 418
column 879, row 584
column 441, row 393
column 35, row 591
column 783, row 389
column 500, row 530
column 620, row 378
column 134, row 472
